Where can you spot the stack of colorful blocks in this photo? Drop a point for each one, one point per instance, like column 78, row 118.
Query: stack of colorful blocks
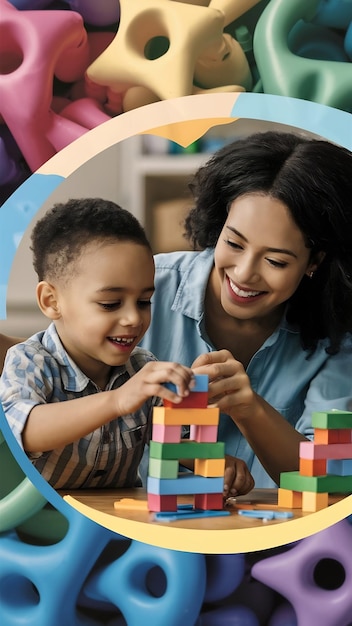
column 167, row 450
column 325, row 464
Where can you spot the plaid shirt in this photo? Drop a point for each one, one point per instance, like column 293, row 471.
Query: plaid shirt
column 39, row 371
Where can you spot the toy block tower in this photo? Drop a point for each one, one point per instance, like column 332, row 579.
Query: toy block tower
column 325, row 464
column 167, row 450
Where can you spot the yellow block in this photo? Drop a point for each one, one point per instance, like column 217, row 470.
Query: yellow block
column 184, row 417
column 209, row 467
column 313, row 502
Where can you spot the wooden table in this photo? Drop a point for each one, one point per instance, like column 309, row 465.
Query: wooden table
column 198, row 534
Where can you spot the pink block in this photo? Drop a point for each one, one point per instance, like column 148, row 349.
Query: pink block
column 203, row 434
column 166, row 434
column 310, row 450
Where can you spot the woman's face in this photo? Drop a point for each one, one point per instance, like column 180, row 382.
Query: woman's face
column 260, row 257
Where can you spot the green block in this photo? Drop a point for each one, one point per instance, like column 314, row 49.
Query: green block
column 318, row 484
column 163, row 468
column 186, row 450
column 332, row 419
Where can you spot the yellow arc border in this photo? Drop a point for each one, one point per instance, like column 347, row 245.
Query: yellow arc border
column 214, row 541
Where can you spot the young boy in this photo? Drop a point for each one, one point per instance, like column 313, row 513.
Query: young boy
column 96, row 278
column 79, row 396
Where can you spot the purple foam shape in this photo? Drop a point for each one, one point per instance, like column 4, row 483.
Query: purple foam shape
column 294, row 574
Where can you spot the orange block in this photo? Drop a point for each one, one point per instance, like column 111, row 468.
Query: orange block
column 312, row 467
column 182, row 417
column 332, row 435
column 209, row 467
column 289, row 499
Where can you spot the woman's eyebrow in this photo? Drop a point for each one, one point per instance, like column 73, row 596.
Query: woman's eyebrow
column 279, row 250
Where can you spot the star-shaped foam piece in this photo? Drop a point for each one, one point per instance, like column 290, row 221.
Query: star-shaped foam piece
column 295, row 575
column 157, row 46
column 36, row 47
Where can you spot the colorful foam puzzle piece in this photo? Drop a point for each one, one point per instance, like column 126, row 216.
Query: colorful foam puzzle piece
column 201, row 385
column 166, row 434
column 201, row 433
column 332, row 435
column 312, row 501
column 195, row 400
column 206, row 482
column 209, row 467
column 189, row 484
column 186, row 450
column 163, row 468
column 332, row 419
column 312, row 450
column 340, row 467
column 325, row 464
column 312, row 467
column 198, row 397
column 328, row 483
column 181, row 417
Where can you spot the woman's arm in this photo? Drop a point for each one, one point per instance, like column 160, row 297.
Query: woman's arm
column 273, row 440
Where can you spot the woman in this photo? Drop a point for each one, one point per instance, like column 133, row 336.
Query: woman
column 264, row 303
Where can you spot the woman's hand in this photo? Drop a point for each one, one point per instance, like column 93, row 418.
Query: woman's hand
column 229, row 386
column 237, row 478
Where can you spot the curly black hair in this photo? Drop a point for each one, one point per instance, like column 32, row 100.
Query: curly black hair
column 59, row 236
column 313, row 178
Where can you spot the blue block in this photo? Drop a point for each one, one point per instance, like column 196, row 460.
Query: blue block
column 201, row 383
column 185, row 484
column 339, row 467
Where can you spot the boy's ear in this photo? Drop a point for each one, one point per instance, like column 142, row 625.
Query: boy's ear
column 47, row 299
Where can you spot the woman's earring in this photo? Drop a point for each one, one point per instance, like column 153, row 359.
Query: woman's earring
column 311, row 274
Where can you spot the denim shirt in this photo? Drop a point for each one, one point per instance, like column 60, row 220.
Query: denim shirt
column 280, row 371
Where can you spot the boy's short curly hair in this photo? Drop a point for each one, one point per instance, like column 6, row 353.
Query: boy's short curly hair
column 58, row 237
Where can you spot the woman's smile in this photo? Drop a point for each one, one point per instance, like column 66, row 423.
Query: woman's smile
column 242, row 294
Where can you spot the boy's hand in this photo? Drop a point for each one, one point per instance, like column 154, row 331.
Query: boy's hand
column 149, row 381
column 237, row 478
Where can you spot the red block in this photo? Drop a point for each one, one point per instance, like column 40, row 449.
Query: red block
column 195, row 400
column 158, row 503
column 206, row 501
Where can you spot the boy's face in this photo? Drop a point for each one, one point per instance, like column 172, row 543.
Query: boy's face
column 105, row 306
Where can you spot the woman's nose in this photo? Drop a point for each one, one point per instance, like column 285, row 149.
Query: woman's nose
column 246, row 269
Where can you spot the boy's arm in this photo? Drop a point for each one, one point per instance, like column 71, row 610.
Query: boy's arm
column 55, row 425
column 41, row 424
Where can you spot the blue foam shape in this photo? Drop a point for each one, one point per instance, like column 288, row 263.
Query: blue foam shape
column 165, row 516
column 185, row 484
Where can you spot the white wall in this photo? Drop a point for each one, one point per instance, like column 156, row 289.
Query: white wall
column 97, row 177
